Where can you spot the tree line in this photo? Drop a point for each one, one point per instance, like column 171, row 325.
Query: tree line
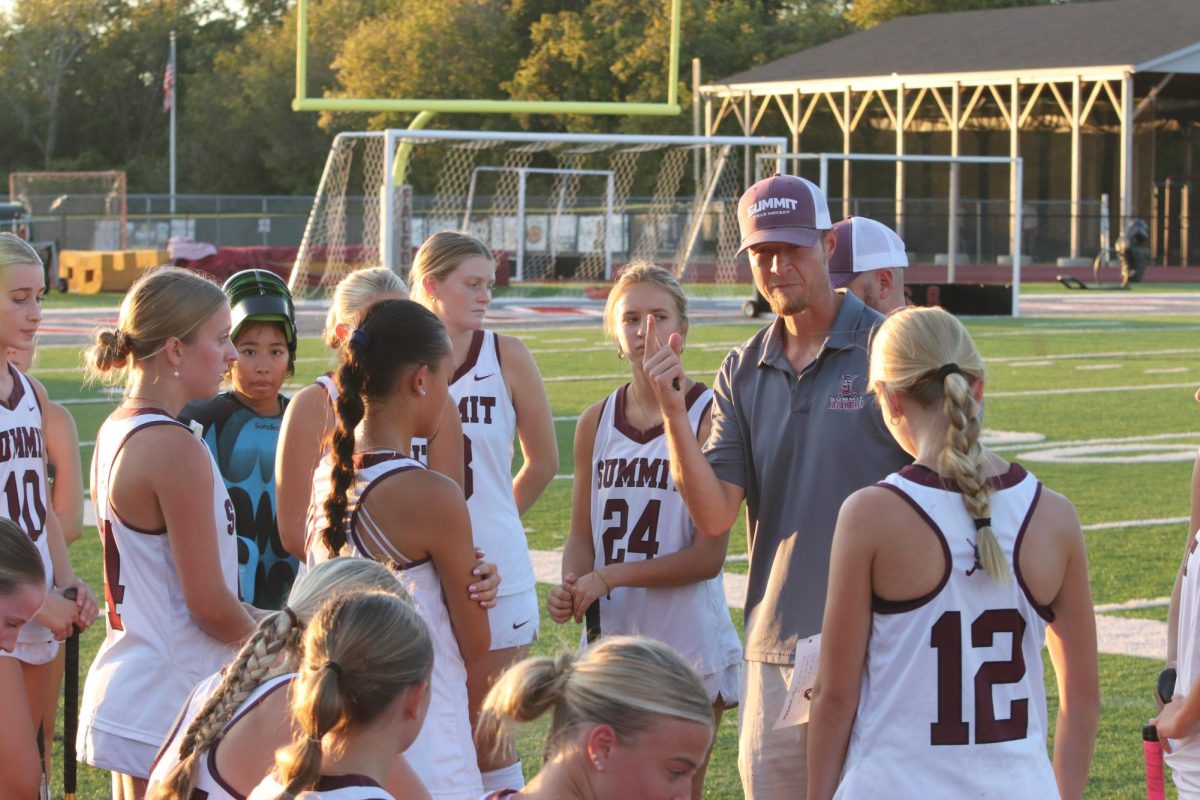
column 81, row 81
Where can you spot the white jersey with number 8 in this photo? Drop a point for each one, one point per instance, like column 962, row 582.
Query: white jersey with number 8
column 153, row 651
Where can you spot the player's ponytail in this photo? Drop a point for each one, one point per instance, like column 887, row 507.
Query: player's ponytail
column 625, row 682
column 360, row 652
column 927, row 355
column 273, row 649
column 394, row 336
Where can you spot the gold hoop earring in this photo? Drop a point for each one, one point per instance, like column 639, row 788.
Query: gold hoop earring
column 620, row 354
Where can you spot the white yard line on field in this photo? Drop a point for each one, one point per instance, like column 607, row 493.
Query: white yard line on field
column 1126, row 636
column 1150, row 387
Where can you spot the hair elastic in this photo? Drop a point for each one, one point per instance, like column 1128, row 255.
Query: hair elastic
column 948, row 369
column 333, row 665
column 359, row 339
column 982, row 522
column 291, row 614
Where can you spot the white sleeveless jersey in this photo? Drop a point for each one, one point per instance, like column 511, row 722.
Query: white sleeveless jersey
column 23, row 493
column 637, row 514
column 953, row 702
column 443, row 755
column 153, row 652
column 1184, row 758
column 329, row 787
column 489, row 424
column 209, row 783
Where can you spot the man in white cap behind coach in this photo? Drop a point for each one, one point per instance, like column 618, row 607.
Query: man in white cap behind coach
column 793, row 434
column 869, row 260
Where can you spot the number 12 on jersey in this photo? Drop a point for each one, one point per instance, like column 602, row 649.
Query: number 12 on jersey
column 946, row 638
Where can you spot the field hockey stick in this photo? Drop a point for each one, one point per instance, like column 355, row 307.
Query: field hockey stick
column 70, row 705
column 1151, row 746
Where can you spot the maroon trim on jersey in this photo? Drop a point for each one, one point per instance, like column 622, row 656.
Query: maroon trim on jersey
column 325, row 388
column 472, row 355
column 371, row 459
column 130, row 413
column 881, row 605
column 496, row 347
column 1045, row 612
column 362, row 498
column 18, row 390
column 328, row 783
column 924, row 476
column 211, row 756
column 124, row 440
column 621, row 423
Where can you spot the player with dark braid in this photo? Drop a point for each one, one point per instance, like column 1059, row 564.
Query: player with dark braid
column 371, row 499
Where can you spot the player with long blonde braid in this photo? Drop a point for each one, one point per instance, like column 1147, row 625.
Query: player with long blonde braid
column 227, row 734
column 945, row 580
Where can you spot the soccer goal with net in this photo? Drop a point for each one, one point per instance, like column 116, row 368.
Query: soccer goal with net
column 75, row 210
column 554, row 205
column 917, row 218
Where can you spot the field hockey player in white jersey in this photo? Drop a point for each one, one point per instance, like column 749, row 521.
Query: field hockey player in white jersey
column 225, row 738
column 629, row 719
column 632, row 564
column 500, row 394
column 29, row 673
column 382, row 504
column 166, row 524
column 945, row 580
column 359, row 701
column 308, row 420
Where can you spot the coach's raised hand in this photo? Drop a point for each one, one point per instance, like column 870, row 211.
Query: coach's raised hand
column 662, row 366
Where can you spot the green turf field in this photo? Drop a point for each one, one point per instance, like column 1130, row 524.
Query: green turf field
column 1077, row 388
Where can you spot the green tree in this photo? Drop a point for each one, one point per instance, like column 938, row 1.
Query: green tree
column 42, row 41
column 869, row 13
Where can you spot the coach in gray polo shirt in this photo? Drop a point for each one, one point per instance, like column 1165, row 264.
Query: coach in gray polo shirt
column 794, row 432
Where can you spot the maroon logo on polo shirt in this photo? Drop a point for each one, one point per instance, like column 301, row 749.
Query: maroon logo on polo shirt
column 847, row 399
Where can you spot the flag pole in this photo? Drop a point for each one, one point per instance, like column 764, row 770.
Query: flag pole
column 171, row 99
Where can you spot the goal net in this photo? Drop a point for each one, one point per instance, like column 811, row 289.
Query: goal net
column 552, row 206
column 961, row 212
column 75, row 210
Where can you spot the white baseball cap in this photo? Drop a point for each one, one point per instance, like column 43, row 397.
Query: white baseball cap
column 864, row 245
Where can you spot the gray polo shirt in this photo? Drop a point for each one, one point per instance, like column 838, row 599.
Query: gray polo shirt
column 799, row 446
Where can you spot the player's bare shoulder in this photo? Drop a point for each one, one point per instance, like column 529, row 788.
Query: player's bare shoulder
column 1055, row 517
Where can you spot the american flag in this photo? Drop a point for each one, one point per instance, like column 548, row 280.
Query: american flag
column 169, row 85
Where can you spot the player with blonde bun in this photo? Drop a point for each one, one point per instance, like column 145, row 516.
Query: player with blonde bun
column 629, row 718
column 500, row 397
column 946, row 578
column 225, row 739
column 359, row 700
column 308, row 420
column 166, row 524
column 632, row 563
column 30, row 671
